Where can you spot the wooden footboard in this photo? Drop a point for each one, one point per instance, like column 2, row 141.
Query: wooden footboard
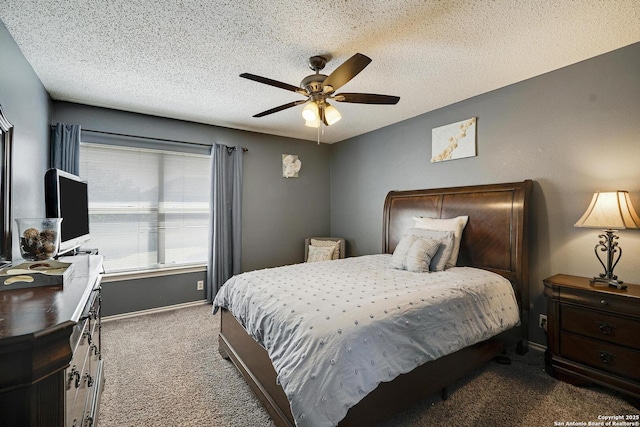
column 254, row 364
column 389, row 398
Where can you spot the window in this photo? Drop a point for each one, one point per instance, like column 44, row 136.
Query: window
column 147, row 208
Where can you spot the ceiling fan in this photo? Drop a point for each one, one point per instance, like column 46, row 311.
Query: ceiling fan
column 318, row 89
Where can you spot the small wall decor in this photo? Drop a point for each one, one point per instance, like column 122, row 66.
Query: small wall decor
column 290, row 165
column 454, row 141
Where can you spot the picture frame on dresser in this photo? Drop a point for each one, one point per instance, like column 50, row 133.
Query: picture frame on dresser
column 6, row 156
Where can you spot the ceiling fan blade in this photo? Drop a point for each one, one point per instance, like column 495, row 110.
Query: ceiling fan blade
column 367, row 98
column 280, row 108
column 348, row 70
column 272, row 82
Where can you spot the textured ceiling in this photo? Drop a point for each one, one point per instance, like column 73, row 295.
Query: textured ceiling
column 181, row 59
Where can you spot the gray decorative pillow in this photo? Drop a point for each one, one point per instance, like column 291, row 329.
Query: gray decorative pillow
column 326, row 243
column 317, row 253
column 399, row 257
column 446, row 239
column 420, row 254
column 456, row 225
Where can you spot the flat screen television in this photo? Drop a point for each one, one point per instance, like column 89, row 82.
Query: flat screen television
column 66, row 197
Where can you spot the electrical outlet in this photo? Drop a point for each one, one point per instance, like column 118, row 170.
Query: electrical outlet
column 542, row 321
column 200, row 285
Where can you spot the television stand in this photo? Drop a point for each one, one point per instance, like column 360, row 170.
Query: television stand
column 79, row 251
column 86, row 251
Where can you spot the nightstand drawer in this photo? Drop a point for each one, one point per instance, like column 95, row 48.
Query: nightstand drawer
column 614, row 329
column 602, row 301
column 601, row 355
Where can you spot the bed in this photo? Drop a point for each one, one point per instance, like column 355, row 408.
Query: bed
column 494, row 240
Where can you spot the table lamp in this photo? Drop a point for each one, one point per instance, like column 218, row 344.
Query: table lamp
column 609, row 211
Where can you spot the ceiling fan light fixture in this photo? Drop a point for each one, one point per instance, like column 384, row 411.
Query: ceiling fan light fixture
column 310, row 112
column 331, row 114
column 313, row 123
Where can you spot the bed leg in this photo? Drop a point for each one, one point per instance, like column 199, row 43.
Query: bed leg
column 222, row 351
column 223, row 354
column 444, row 393
column 522, row 347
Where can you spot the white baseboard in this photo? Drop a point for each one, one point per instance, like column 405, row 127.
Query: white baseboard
column 536, row 346
column 153, row 310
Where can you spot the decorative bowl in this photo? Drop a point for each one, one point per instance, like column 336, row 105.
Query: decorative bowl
column 39, row 238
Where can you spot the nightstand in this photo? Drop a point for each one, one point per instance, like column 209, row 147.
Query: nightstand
column 593, row 334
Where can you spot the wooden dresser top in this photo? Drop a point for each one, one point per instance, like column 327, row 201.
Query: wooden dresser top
column 32, row 311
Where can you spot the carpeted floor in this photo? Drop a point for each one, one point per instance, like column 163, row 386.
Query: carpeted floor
column 164, row 370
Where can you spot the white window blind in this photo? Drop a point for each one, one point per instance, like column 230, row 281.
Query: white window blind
column 147, row 208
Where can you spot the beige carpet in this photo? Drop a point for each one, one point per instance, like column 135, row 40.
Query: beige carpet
column 164, row 370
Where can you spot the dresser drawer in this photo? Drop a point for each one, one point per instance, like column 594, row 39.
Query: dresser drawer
column 77, row 387
column 601, row 355
column 603, row 326
column 81, row 373
column 602, row 301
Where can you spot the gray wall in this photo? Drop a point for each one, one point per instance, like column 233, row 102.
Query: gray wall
column 144, row 293
column 27, row 105
column 573, row 131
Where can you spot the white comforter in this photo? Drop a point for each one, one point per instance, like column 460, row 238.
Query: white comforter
column 334, row 330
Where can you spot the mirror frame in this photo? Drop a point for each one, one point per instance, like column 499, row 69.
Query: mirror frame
column 6, row 148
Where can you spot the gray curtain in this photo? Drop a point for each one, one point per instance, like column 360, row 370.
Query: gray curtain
column 65, row 148
column 225, row 235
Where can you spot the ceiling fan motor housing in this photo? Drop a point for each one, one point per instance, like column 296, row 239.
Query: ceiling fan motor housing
column 313, row 83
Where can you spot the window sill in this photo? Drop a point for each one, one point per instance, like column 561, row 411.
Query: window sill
column 156, row 272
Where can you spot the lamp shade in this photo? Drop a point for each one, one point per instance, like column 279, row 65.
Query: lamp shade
column 331, row 114
column 310, row 112
column 610, row 210
column 312, row 124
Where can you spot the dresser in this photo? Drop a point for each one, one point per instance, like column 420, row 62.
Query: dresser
column 50, row 351
column 593, row 334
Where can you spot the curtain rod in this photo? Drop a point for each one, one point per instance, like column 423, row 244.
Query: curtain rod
column 145, row 137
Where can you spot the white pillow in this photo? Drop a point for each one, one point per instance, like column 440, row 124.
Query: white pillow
column 446, row 239
column 420, row 254
column 326, row 243
column 451, row 224
column 399, row 257
column 317, row 253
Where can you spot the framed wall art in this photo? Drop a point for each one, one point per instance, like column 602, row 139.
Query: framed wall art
column 454, row 141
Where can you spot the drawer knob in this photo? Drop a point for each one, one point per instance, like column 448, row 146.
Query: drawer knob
column 603, row 302
column 605, row 329
column 606, row 357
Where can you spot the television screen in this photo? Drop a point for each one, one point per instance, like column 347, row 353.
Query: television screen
column 66, row 197
column 73, row 208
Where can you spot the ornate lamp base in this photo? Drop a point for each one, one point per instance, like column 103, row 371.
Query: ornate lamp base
column 611, row 282
column 609, row 245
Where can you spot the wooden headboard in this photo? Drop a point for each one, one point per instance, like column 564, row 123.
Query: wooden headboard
column 495, row 237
